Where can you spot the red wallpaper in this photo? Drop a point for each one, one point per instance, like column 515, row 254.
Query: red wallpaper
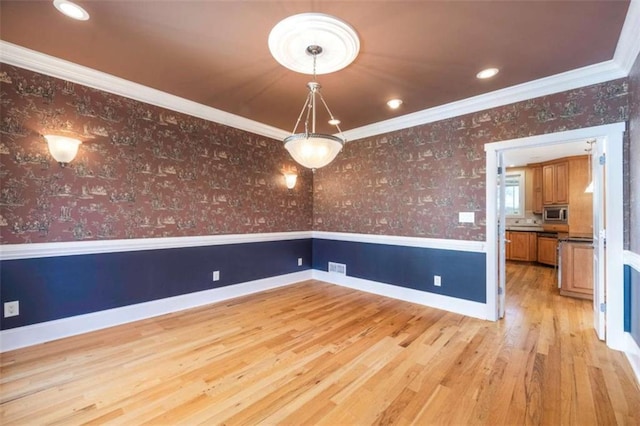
column 633, row 160
column 413, row 182
column 142, row 172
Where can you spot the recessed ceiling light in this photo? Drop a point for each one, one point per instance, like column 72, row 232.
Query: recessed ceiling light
column 71, row 10
column 488, row 73
column 334, row 121
column 394, row 103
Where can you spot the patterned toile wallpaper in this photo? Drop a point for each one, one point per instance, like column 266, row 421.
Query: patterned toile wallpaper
column 413, row 182
column 633, row 166
column 142, row 172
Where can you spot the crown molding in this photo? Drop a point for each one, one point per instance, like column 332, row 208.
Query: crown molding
column 22, row 57
column 628, row 47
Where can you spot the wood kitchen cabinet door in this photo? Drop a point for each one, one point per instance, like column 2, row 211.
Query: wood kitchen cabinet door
column 548, row 184
column 523, row 246
column 555, row 183
column 562, row 183
column 577, row 270
column 537, row 190
column 547, row 250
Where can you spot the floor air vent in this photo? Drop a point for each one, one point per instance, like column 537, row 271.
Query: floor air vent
column 337, row 268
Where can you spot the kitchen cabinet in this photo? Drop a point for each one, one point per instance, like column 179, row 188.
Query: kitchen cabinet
column 536, row 205
column 523, row 246
column 547, row 250
column 580, row 202
column 576, row 269
column 507, row 245
column 555, row 183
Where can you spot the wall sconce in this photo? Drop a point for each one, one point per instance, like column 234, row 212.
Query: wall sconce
column 62, row 148
column 290, row 180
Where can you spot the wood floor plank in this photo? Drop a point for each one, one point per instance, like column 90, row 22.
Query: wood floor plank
column 315, row 353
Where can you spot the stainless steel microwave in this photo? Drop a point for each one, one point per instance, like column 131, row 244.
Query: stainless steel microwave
column 556, row 214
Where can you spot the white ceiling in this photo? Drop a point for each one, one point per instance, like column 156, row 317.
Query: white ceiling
column 524, row 156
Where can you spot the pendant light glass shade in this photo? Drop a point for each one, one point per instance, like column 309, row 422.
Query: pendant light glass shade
column 313, row 150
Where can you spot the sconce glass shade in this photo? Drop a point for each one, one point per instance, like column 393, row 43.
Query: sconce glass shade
column 313, row 150
column 290, row 180
column 62, row 148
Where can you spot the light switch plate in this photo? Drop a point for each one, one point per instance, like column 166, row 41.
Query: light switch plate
column 466, row 217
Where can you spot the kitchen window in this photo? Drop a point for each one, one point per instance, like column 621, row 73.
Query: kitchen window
column 514, row 194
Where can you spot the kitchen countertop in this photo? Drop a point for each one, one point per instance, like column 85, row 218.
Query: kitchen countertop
column 576, row 238
column 524, row 228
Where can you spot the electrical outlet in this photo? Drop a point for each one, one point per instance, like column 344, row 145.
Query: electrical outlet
column 216, row 275
column 436, row 281
column 11, row 309
column 299, row 261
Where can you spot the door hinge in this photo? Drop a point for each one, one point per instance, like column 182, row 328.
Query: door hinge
column 499, row 170
column 500, row 291
column 603, row 307
column 602, row 159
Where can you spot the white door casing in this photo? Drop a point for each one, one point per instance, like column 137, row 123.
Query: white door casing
column 612, row 135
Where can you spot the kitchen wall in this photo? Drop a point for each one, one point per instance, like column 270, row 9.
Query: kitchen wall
column 142, row 171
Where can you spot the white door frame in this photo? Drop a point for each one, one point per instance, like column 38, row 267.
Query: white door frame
column 612, row 137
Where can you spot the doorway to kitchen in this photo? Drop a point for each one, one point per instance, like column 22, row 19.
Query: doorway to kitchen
column 609, row 300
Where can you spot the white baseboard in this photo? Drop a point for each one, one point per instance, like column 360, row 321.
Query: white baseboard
column 632, row 351
column 447, row 303
column 29, row 335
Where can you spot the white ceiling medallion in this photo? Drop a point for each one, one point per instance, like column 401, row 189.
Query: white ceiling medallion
column 289, row 39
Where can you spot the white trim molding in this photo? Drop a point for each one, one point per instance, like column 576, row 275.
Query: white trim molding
column 432, row 300
column 632, row 259
column 394, row 240
column 632, row 352
column 22, row 57
column 29, row 335
column 628, row 47
column 71, row 248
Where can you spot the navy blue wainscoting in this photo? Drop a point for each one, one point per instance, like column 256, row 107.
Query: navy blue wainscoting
column 463, row 273
column 58, row 287
column 632, row 303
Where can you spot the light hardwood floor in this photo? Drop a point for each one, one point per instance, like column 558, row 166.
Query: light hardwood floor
column 315, row 353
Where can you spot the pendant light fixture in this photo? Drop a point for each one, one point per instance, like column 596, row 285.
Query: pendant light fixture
column 314, row 43
column 589, row 188
column 309, row 148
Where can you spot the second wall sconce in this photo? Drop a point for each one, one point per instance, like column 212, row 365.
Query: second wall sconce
column 62, row 148
column 290, row 180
